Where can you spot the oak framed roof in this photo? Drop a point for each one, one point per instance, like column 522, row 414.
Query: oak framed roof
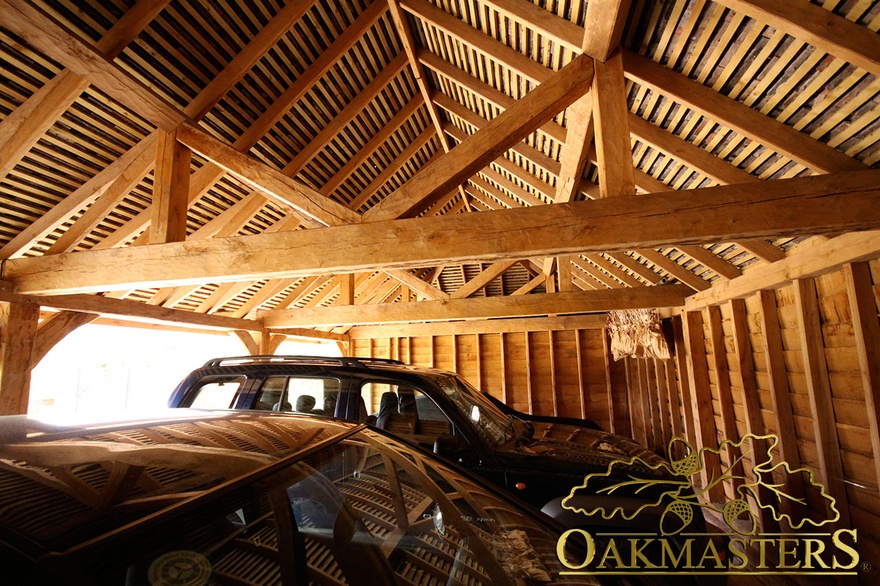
column 151, row 151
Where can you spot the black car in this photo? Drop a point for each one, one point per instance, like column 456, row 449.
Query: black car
column 572, row 421
column 195, row 498
column 539, row 461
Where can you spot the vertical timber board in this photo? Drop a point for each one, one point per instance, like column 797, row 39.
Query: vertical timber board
column 866, row 328
column 725, row 397
column 455, row 354
column 468, row 361
column 492, row 368
column 780, row 395
column 649, row 399
column 18, row 329
column 518, row 371
column 674, row 404
column 579, row 357
column 636, row 410
column 503, row 353
column 665, row 410
column 644, row 404
column 479, row 359
column 657, row 409
column 621, row 409
column 528, row 354
column 819, row 391
column 684, row 388
column 751, row 404
column 609, row 386
column 554, row 383
column 593, row 393
column 703, row 412
column 420, row 351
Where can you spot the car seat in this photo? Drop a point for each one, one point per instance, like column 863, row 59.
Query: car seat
column 389, row 417
column 305, row 403
column 282, row 406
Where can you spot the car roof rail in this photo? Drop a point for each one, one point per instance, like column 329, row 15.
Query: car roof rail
column 290, row 359
column 363, row 360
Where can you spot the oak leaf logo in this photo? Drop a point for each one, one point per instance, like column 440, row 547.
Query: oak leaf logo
column 678, row 491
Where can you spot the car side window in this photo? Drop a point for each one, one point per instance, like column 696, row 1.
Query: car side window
column 216, row 392
column 300, row 394
column 405, row 411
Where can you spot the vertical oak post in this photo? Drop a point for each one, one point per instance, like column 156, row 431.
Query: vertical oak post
column 18, row 329
column 819, row 391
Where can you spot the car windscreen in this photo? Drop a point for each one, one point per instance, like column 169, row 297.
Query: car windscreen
column 489, row 421
column 362, row 510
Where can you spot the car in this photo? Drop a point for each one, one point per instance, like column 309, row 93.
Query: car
column 572, row 421
column 201, row 497
column 540, row 462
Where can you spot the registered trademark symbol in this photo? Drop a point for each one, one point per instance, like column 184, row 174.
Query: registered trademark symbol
column 866, row 567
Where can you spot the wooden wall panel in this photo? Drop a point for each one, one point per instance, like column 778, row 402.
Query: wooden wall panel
column 540, row 373
column 621, row 399
column 444, row 353
column 561, row 372
column 517, row 372
column 797, row 382
column 421, row 353
column 491, row 365
column 864, row 503
column 466, row 358
column 599, row 382
column 637, row 401
column 758, row 343
column 723, row 399
column 848, row 395
column 704, row 412
column 567, row 369
column 797, row 363
column 756, row 371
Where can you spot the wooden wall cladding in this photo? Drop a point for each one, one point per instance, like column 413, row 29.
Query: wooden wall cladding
column 800, row 362
column 567, row 373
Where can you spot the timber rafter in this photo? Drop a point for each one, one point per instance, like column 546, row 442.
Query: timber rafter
column 383, row 121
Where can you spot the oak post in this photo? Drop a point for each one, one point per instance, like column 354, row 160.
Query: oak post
column 18, row 328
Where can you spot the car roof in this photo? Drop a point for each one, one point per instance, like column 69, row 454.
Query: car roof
column 65, row 484
column 356, row 363
column 301, row 359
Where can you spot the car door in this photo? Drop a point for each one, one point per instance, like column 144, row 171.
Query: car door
column 419, row 414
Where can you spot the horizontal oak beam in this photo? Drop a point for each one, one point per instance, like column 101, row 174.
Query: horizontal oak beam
column 570, row 302
column 108, row 306
column 594, row 321
column 822, row 204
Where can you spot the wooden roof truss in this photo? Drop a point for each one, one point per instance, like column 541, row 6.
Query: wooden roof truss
column 254, row 163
